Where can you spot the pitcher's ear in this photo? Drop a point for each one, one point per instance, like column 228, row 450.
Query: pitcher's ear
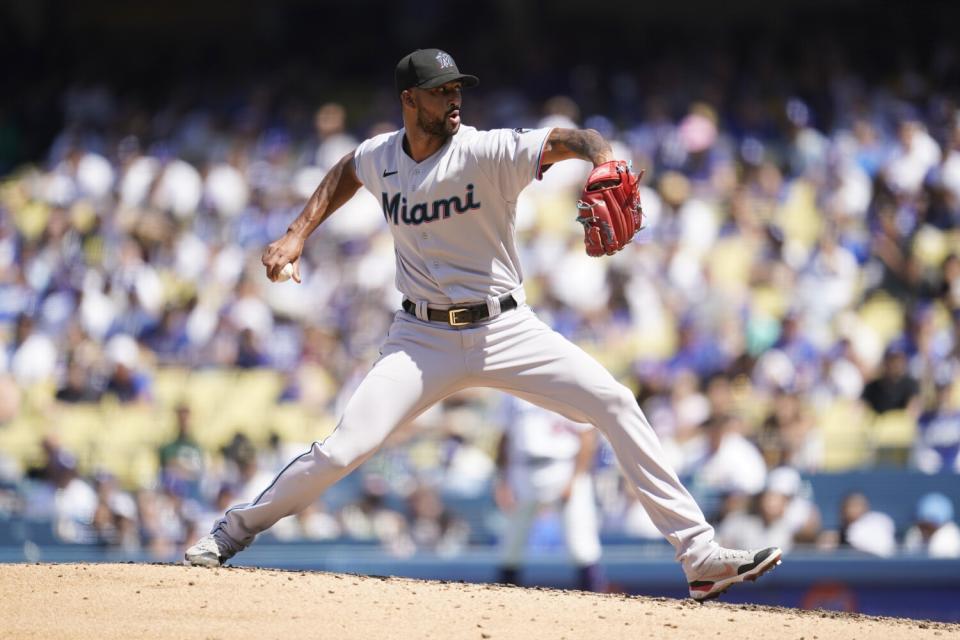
column 407, row 98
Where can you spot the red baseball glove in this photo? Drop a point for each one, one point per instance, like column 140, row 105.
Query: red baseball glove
column 610, row 208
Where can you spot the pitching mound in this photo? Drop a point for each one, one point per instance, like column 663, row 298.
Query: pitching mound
column 101, row 601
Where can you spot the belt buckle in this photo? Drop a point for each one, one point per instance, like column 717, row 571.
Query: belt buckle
column 452, row 317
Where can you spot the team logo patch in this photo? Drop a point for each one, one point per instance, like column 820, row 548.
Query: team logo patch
column 444, row 60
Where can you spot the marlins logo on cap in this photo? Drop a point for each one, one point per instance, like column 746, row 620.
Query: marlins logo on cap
column 444, row 60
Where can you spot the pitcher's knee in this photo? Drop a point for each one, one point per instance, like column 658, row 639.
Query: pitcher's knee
column 341, row 455
column 622, row 401
column 614, row 407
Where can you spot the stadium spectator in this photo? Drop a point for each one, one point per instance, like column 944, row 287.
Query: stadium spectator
column 32, row 353
column 433, row 526
column 74, row 502
column 801, row 350
column 115, row 517
column 78, row 385
column 369, row 518
column 937, row 446
column 828, row 283
column 950, row 276
column 934, row 533
column 127, row 381
column 164, row 522
column 893, row 388
column 678, row 415
column 789, row 436
column 780, row 515
column 869, row 531
column 250, row 354
column 333, row 139
column 182, row 459
column 311, row 524
column 250, row 479
column 802, row 515
column 722, row 460
column 697, row 352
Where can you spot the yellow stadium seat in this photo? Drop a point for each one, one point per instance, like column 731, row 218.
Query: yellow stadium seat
column 39, row 396
column 884, row 315
column 77, row 427
column 553, row 213
column 769, row 301
column 843, row 425
column 170, row 385
column 20, row 439
column 652, row 341
column 892, row 434
column 730, row 261
column 930, row 246
column 294, row 423
column 798, row 216
column 318, row 387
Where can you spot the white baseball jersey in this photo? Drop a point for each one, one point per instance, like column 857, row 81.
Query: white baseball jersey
column 537, row 434
column 541, row 461
column 452, row 215
column 542, row 451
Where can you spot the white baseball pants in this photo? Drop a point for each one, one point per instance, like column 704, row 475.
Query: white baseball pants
column 423, row 362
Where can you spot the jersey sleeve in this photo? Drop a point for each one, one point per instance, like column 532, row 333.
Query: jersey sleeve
column 362, row 161
column 511, row 158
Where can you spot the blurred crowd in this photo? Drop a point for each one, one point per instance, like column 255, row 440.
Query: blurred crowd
column 800, row 252
column 431, row 491
column 194, row 487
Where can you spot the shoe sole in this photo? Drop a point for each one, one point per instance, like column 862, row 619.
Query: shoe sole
column 203, row 560
column 722, row 585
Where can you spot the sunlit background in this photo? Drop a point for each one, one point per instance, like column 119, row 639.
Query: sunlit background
column 789, row 317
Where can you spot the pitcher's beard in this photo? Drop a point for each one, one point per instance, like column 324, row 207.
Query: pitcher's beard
column 440, row 128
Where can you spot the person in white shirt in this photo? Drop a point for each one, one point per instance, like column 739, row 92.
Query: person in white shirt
column 449, row 193
column 722, row 461
column 935, row 533
column 544, row 462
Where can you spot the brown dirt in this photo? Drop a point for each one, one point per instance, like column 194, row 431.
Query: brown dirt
column 138, row 601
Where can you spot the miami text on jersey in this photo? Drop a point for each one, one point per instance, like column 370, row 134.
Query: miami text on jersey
column 395, row 209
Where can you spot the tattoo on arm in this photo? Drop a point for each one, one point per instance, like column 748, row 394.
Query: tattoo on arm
column 586, row 144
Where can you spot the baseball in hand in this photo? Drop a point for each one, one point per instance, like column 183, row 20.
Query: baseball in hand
column 286, row 273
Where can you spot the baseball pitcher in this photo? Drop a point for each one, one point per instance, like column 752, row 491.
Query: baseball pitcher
column 449, row 194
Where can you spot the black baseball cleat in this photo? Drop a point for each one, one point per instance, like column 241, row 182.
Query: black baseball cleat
column 727, row 567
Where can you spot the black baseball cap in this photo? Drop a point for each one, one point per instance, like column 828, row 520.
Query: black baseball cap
column 429, row 68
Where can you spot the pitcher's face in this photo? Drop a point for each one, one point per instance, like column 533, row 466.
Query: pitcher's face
column 438, row 109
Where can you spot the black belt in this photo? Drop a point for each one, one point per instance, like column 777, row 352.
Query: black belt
column 461, row 316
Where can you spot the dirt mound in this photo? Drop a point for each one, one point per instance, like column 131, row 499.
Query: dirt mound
column 170, row 601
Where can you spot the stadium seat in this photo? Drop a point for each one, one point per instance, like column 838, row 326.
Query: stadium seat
column 20, row 439
column 845, row 436
column 798, row 216
column 892, row 435
column 294, row 423
column 884, row 315
column 170, row 385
